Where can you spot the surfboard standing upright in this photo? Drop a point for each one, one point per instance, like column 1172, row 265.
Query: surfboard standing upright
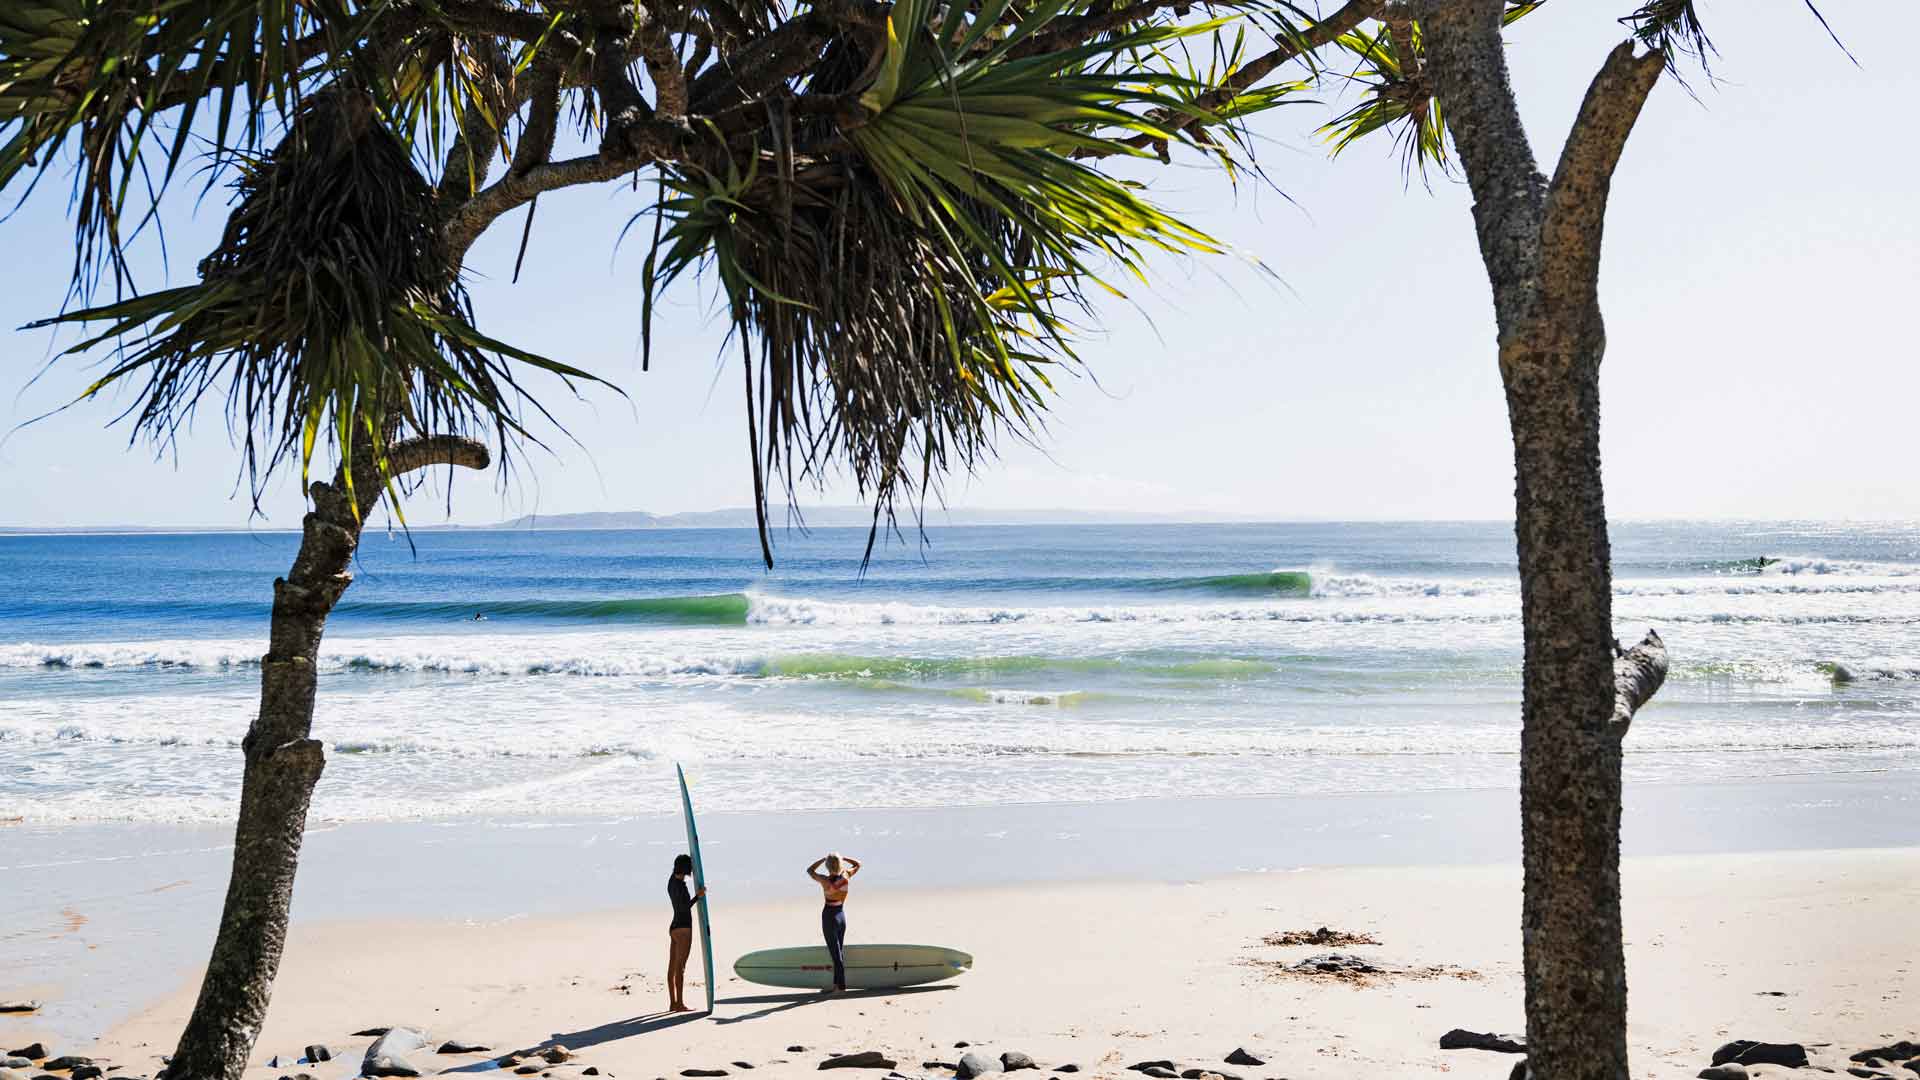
column 699, row 884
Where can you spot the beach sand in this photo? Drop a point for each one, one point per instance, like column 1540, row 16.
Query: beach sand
column 1809, row 946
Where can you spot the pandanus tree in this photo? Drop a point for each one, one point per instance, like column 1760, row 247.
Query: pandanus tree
column 905, row 204
column 886, row 193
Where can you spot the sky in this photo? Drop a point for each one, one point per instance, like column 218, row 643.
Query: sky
column 1760, row 278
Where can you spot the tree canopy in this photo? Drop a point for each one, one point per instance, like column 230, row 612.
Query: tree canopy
column 907, row 206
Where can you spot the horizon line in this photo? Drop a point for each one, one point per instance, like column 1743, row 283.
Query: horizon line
column 522, row 523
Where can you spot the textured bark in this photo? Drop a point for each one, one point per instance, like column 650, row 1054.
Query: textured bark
column 1541, row 248
column 282, row 765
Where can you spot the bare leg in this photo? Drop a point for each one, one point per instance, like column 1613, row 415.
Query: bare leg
column 682, row 944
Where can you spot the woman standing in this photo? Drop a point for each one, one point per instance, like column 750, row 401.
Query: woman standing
column 833, row 917
column 680, row 932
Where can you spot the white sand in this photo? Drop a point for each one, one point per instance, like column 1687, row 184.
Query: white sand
column 1106, row 974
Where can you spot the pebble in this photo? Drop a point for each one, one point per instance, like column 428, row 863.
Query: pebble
column 375, row 1032
column 743, row 1064
column 454, row 1046
column 796, row 1049
column 507, row 1061
column 87, row 1072
column 1749, row 1052
column 590, row 1071
column 526, row 1070
column 36, row 1051
column 1732, row 1071
column 556, row 1054
column 1902, row 1049
column 703, row 1072
column 973, row 1063
column 866, row 1059
column 1334, row 963
column 388, row 1054
column 19, row 1006
column 962, row 1045
column 1014, row 1061
column 1462, row 1039
column 318, row 1053
column 1241, row 1057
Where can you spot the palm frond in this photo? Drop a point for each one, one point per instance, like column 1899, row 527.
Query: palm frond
column 906, row 296
column 1673, row 27
column 1392, row 101
column 97, row 75
column 328, row 315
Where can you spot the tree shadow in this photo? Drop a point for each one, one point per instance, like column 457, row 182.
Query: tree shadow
column 779, row 1003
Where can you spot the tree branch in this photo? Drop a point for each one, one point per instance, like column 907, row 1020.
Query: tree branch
column 663, row 67
column 426, row 451
column 1320, row 34
column 519, row 24
column 769, row 60
column 1467, row 61
column 535, row 146
column 514, row 189
column 332, row 502
column 626, row 109
column 471, row 155
column 1576, row 204
column 1400, row 32
column 1637, row 675
column 1079, row 31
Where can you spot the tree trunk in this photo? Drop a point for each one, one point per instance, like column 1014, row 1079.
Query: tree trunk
column 1540, row 243
column 1569, row 753
column 282, row 765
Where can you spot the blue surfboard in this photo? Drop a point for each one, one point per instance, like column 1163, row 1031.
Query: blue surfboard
column 699, row 883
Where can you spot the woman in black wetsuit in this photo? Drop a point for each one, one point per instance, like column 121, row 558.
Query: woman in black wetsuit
column 680, row 932
column 833, row 917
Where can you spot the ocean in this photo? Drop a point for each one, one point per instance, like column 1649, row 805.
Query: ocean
column 491, row 674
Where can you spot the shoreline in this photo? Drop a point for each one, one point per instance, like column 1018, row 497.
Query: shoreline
column 112, row 916
column 1796, row 946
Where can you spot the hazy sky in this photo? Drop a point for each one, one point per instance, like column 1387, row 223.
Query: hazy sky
column 1760, row 284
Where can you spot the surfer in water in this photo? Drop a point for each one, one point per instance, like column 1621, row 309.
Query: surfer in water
column 680, row 932
column 833, row 917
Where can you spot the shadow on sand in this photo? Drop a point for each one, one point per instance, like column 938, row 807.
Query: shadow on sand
column 776, row 1003
column 612, row 1031
column 632, row 1027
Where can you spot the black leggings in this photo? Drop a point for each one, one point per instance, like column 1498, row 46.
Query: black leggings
column 833, row 927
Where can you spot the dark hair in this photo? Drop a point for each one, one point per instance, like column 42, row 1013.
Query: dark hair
column 683, row 864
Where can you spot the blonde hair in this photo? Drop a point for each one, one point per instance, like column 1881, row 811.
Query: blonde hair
column 833, row 864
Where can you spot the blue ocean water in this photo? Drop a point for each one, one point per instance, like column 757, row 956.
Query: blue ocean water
column 988, row 665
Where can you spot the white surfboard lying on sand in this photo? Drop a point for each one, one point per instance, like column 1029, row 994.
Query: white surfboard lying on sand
column 869, row 967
